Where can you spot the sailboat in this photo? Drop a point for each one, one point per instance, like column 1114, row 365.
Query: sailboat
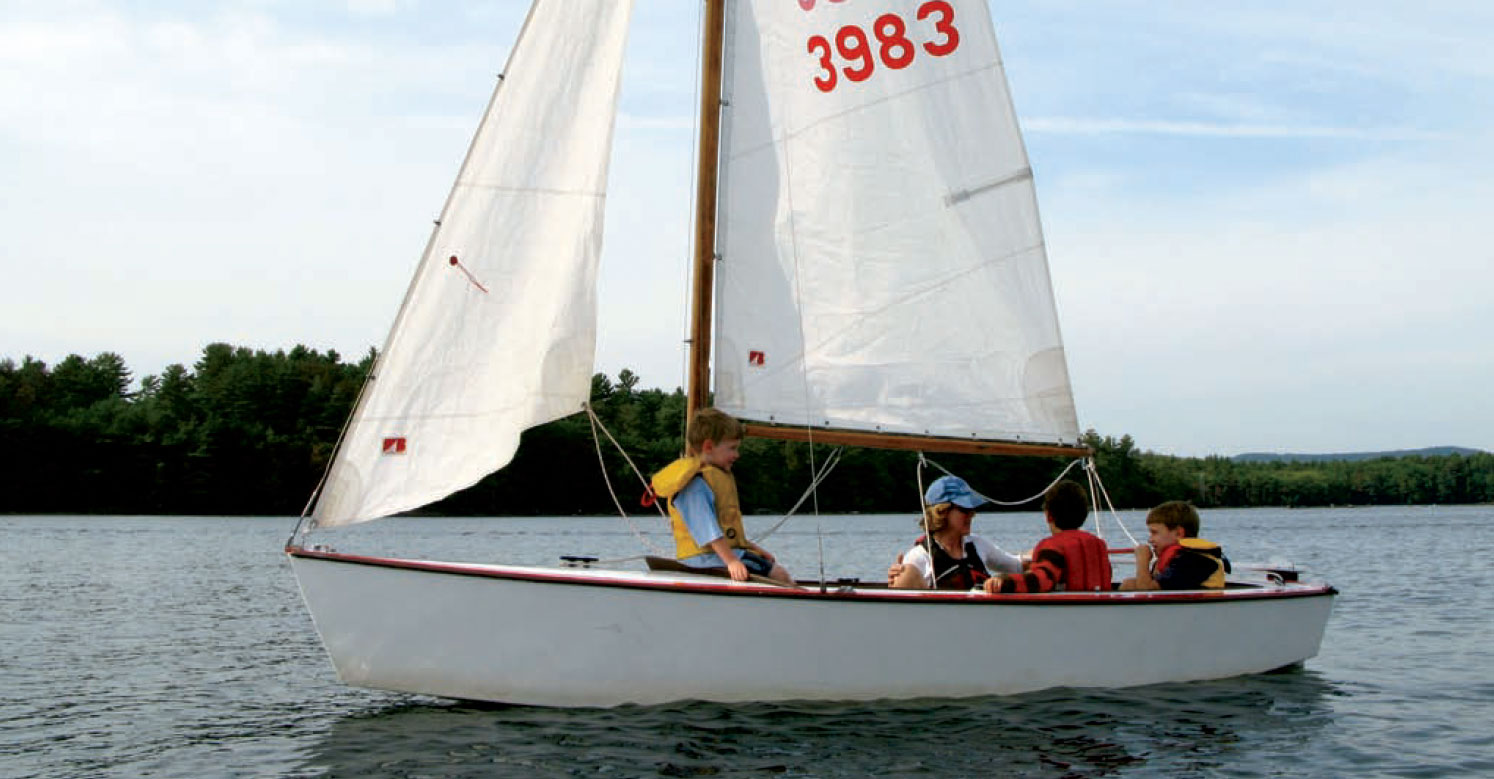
column 861, row 176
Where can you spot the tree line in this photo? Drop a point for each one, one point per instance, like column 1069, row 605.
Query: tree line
column 247, row 431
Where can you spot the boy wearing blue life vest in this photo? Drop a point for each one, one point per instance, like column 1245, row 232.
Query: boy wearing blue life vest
column 704, row 512
column 1182, row 561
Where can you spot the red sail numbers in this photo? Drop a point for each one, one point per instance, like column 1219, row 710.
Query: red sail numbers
column 853, row 52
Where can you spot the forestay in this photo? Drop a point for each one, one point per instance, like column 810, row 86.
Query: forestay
column 882, row 263
column 497, row 332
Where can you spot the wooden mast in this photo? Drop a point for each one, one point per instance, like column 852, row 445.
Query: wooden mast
column 699, row 378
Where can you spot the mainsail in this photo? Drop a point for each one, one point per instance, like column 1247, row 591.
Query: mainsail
column 882, row 265
column 498, row 330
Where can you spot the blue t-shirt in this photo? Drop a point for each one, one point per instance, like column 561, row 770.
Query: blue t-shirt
column 697, row 504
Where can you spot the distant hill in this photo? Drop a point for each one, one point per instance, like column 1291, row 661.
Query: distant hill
column 1273, row 457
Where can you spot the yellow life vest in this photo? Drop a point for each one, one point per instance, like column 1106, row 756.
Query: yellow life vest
column 675, row 476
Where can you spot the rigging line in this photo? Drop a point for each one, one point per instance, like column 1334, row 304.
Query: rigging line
column 597, row 423
column 347, row 424
column 815, row 481
column 1024, row 501
column 819, row 533
column 1094, row 503
column 803, row 353
column 923, row 517
column 1090, row 465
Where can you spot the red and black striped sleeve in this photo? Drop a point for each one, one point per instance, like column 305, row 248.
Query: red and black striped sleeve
column 1048, row 567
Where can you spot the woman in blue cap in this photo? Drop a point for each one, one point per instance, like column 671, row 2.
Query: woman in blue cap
column 948, row 556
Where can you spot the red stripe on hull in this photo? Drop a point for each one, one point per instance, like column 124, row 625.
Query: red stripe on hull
column 811, row 590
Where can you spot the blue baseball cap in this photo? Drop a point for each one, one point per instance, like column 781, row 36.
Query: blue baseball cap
column 953, row 489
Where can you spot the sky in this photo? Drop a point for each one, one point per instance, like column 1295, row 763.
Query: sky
column 1269, row 223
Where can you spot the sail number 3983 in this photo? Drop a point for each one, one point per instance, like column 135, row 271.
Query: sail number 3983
column 889, row 42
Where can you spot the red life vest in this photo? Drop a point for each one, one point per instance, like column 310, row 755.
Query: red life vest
column 1204, row 549
column 1086, row 558
column 1164, row 558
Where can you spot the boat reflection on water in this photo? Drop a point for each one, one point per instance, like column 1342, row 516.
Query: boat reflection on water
column 1235, row 725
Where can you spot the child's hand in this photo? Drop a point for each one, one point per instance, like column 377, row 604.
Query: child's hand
column 894, row 570
column 737, row 570
column 993, row 584
column 1144, row 555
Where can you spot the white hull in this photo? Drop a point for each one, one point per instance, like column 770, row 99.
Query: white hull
column 562, row 637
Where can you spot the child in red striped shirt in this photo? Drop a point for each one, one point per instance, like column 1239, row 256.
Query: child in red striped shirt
column 1070, row 559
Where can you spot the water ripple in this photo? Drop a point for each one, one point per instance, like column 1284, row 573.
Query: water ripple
column 139, row 646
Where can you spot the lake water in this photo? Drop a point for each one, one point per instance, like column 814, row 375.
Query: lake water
column 150, row 646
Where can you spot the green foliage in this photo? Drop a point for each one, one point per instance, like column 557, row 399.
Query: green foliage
column 251, row 432
column 243, row 432
column 1217, row 481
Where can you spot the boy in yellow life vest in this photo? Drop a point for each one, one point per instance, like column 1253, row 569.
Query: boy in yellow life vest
column 1183, row 560
column 703, row 508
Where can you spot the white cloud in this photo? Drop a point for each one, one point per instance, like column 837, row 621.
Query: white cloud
column 229, row 176
column 226, row 178
column 375, row 7
column 1351, row 303
column 1081, row 126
